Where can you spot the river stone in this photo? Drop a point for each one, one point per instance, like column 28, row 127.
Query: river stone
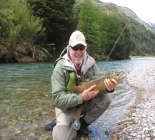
column 142, row 77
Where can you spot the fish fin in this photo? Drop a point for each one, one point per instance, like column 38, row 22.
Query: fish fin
column 96, row 91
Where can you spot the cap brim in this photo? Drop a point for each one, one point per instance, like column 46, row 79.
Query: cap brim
column 78, row 42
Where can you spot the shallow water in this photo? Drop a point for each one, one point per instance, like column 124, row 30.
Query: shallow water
column 26, row 99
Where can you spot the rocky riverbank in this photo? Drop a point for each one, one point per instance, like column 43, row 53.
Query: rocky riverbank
column 139, row 123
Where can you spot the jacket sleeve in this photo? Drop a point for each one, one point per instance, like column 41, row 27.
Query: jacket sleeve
column 63, row 99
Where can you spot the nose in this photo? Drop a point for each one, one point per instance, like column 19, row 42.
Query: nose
column 79, row 51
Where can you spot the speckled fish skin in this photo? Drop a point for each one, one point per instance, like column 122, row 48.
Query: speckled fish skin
column 99, row 82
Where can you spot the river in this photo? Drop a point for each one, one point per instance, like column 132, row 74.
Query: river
column 26, row 99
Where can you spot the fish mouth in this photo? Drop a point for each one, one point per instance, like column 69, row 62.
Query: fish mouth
column 122, row 75
column 118, row 75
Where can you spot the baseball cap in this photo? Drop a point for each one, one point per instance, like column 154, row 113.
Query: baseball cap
column 77, row 37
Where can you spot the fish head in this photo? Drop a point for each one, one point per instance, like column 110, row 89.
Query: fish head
column 118, row 76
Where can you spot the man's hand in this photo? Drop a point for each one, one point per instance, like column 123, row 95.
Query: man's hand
column 110, row 84
column 88, row 93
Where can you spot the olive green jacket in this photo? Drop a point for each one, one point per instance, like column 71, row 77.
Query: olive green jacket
column 62, row 98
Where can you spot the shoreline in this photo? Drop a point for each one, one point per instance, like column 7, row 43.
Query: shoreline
column 139, row 123
column 141, row 56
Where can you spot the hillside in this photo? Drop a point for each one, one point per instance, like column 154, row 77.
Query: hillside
column 142, row 34
column 40, row 36
column 131, row 14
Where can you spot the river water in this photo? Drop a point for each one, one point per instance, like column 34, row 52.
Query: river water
column 26, row 100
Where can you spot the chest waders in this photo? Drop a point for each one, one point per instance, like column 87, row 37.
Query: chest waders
column 75, row 80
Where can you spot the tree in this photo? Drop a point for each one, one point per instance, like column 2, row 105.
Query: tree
column 101, row 30
column 90, row 19
column 57, row 19
column 21, row 28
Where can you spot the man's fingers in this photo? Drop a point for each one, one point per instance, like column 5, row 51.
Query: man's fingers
column 88, row 93
column 110, row 84
column 114, row 81
column 91, row 88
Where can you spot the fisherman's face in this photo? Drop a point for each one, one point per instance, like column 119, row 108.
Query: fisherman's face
column 77, row 53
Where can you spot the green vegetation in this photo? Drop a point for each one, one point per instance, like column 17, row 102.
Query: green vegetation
column 57, row 19
column 102, row 30
column 143, row 40
column 20, row 30
column 38, row 30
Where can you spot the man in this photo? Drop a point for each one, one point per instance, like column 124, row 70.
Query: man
column 73, row 67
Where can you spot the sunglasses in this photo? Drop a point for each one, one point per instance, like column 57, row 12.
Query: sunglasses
column 81, row 48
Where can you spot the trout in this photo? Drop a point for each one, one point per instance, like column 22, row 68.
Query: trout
column 99, row 82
